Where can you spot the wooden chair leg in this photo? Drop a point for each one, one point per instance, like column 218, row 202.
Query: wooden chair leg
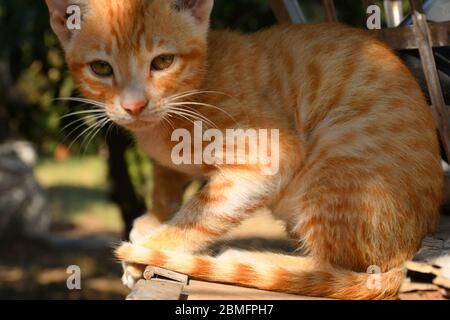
column 423, row 34
column 287, row 11
column 330, row 10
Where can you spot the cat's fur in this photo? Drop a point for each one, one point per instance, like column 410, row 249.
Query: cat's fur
column 360, row 178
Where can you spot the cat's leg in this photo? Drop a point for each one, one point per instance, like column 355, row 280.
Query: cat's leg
column 231, row 196
column 353, row 217
column 167, row 199
column 169, row 188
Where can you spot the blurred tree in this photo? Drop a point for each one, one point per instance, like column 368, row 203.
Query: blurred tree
column 31, row 73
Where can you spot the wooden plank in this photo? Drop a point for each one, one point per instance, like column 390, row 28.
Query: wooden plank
column 280, row 11
column 416, row 5
column 156, row 289
column 404, row 38
column 431, row 247
column 149, row 273
column 287, row 11
column 409, row 286
column 422, row 295
column 330, row 10
column 424, row 276
column 439, row 108
column 199, row 290
column 152, row 272
column 429, row 272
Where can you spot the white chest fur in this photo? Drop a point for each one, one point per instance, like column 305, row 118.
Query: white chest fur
column 158, row 147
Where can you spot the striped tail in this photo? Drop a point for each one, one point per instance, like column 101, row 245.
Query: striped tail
column 267, row 275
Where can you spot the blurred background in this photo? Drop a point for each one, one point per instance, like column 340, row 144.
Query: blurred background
column 67, row 195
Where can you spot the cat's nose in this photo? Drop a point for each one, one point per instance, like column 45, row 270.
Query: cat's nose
column 134, row 107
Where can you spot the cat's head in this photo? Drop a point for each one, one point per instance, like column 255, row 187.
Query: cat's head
column 132, row 55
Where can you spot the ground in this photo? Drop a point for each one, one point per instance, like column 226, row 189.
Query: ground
column 85, row 228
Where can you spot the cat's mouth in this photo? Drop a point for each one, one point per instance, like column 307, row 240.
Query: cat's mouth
column 145, row 118
column 139, row 122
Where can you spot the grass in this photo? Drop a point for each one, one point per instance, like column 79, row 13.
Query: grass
column 78, row 193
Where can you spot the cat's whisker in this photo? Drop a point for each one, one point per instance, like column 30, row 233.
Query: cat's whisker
column 167, row 121
column 169, row 117
column 85, row 131
column 207, row 105
column 93, row 111
column 95, row 133
column 199, row 114
column 98, row 124
column 86, row 118
column 181, row 94
column 195, row 114
column 108, row 131
column 99, row 118
column 82, row 100
column 196, row 92
column 186, row 117
column 174, row 114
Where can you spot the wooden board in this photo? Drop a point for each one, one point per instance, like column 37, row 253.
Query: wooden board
column 429, row 272
column 156, row 272
column 156, row 289
column 404, row 38
column 199, row 290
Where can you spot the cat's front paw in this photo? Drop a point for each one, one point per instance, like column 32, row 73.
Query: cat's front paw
column 132, row 273
column 143, row 226
column 165, row 238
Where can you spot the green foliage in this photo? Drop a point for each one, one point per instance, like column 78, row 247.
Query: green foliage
column 245, row 15
column 32, row 74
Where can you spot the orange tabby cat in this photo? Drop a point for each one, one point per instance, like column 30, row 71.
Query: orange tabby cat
column 359, row 180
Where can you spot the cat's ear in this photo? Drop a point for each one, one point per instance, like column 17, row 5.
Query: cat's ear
column 200, row 9
column 59, row 11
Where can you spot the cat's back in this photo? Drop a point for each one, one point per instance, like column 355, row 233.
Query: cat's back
column 312, row 61
column 334, row 53
column 342, row 75
column 331, row 75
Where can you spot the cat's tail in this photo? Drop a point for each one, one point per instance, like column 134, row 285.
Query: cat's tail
column 268, row 275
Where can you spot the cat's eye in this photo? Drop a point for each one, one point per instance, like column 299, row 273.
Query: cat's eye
column 162, row 62
column 101, row 68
